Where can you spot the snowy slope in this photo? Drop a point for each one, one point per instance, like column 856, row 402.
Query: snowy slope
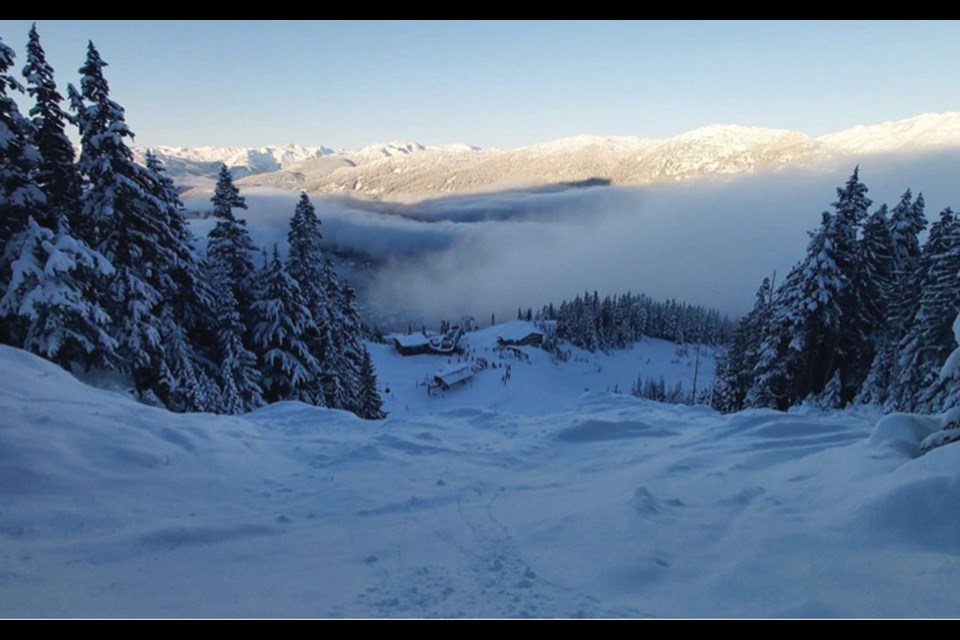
column 925, row 132
column 609, row 507
column 538, row 385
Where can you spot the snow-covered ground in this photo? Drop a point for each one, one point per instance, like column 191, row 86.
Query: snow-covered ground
column 533, row 498
column 538, row 385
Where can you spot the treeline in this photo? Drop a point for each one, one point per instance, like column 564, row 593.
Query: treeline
column 99, row 268
column 617, row 322
column 865, row 317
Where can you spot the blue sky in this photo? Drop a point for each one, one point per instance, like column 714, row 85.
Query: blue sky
column 501, row 84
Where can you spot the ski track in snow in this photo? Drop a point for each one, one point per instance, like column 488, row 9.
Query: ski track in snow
column 589, row 504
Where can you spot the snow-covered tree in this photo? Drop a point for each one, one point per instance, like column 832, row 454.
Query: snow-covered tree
column 49, row 292
column 829, row 398
column 873, row 283
column 237, row 375
column 20, row 195
column 57, row 173
column 949, row 389
column 370, row 403
column 128, row 222
column 115, row 183
column 902, row 299
column 929, row 339
column 231, row 275
column 736, row 366
column 229, row 247
column 336, row 380
column 183, row 384
column 289, row 370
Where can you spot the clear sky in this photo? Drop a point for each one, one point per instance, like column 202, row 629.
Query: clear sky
column 501, row 84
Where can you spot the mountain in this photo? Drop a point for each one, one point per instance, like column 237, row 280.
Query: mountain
column 922, row 133
column 409, row 168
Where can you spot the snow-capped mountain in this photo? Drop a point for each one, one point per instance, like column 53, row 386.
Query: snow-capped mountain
column 411, row 168
column 192, row 166
column 925, row 132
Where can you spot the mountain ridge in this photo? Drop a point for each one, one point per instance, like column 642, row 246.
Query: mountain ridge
column 409, row 168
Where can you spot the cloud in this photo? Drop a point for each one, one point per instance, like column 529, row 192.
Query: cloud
column 707, row 241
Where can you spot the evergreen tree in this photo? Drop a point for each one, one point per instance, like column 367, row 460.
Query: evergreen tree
column 370, row 402
column 238, row 375
column 335, row 378
column 906, row 222
column 231, row 274
column 283, row 319
column 305, row 264
column 735, row 367
column 948, row 387
column 57, row 173
column 130, row 224
column 20, row 196
column 854, row 346
column 115, row 183
column 830, row 396
column 352, row 347
column 180, row 280
column 902, row 299
column 929, row 339
column 820, row 321
column 183, row 383
column 779, row 356
column 188, row 301
column 229, row 247
column 874, row 287
column 49, row 292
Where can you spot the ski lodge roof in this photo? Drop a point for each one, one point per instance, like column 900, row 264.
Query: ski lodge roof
column 450, row 376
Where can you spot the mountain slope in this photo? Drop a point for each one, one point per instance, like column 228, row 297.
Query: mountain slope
column 409, row 168
column 607, row 507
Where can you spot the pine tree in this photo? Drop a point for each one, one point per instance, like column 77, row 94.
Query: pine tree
column 736, row 366
column 129, row 224
column 902, row 299
column 180, row 281
column 874, row 289
column 229, row 247
column 57, row 173
column 830, row 396
column 283, row 319
column 49, row 292
column 231, row 275
column 929, row 339
column 188, row 301
column 781, row 345
column 183, row 384
column 371, row 404
column 335, row 377
column 305, row 264
column 20, row 195
column 854, row 346
column 237, row 375
column 115, row 182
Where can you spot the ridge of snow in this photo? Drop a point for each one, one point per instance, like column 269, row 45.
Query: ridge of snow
column 926, row 131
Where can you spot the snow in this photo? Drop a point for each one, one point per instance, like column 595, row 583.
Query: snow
column 536, row 386
column 573, row 504
column 412, row 340
column 926, row 131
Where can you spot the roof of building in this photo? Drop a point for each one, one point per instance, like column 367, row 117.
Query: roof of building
column 454, row 374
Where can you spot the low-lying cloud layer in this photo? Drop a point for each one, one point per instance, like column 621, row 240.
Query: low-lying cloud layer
column 708, row 241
